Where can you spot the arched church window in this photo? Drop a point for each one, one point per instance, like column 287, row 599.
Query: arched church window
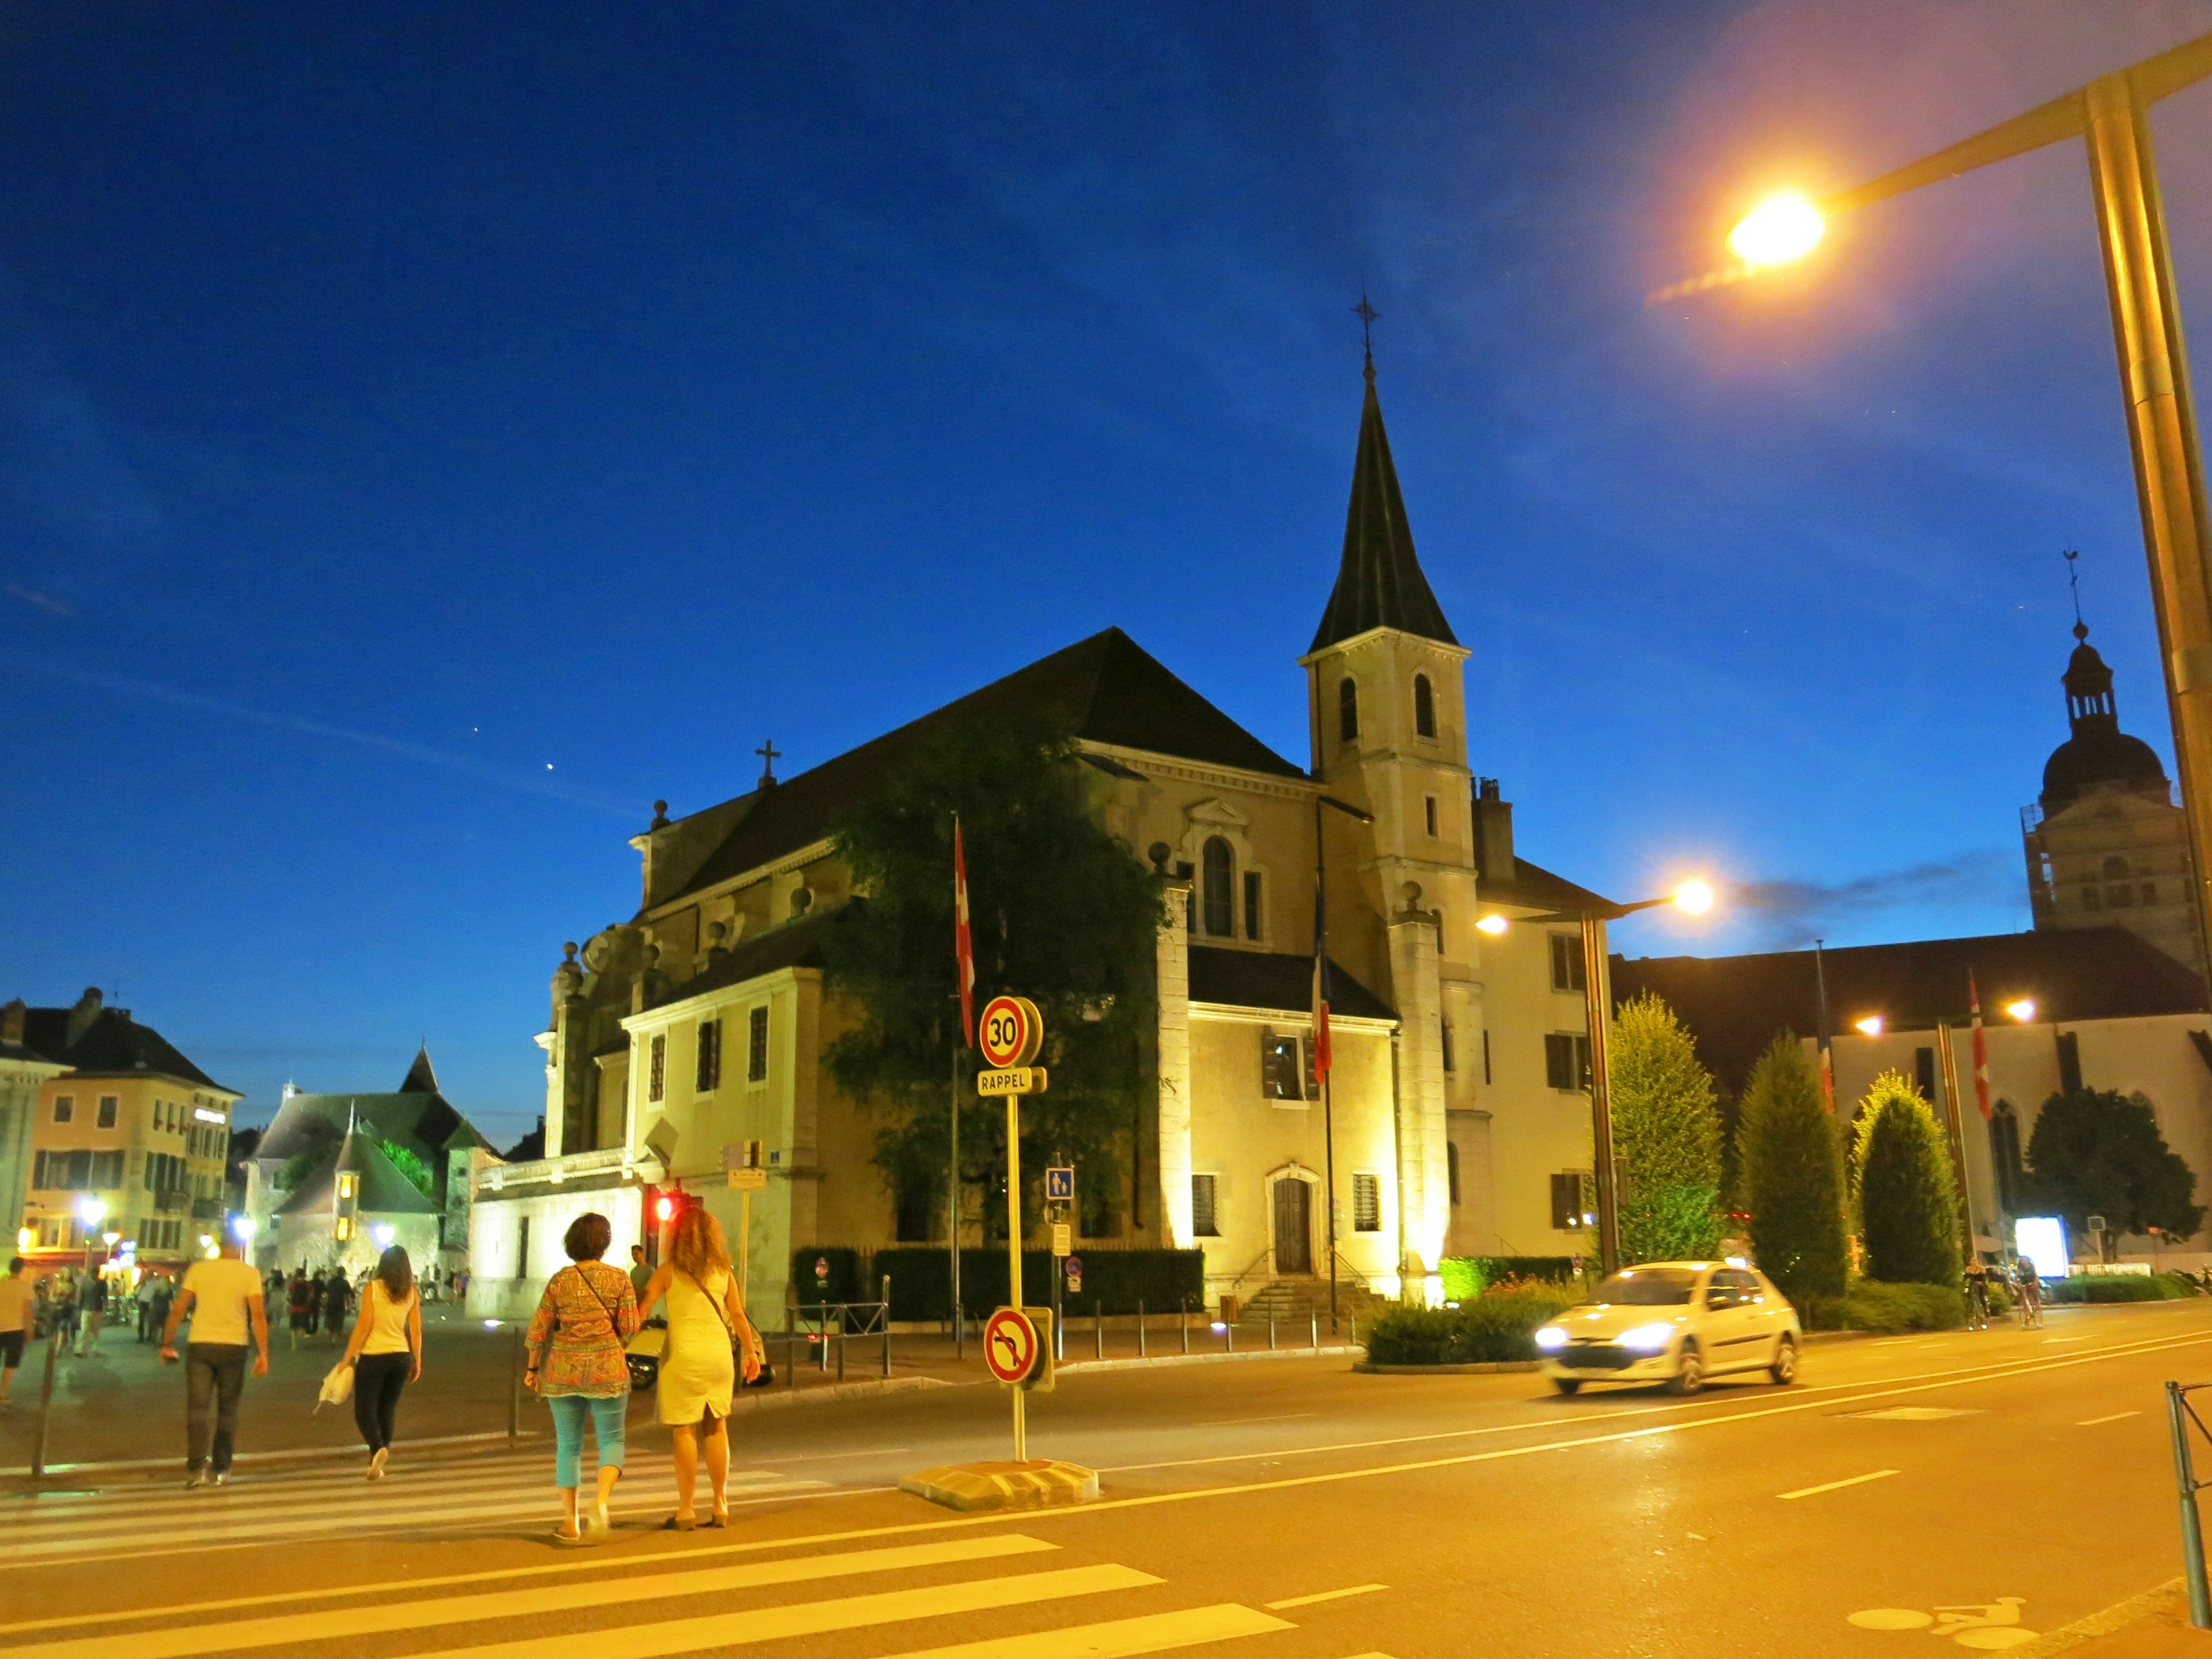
column 2004, row 1157
column 1347, row 709
column 1424, row 707
column 1219, row 896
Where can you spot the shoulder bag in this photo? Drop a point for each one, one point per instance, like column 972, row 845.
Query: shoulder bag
column 766, row 1379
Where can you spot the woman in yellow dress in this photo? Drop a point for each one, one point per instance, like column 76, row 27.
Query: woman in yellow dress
column 707, row 1330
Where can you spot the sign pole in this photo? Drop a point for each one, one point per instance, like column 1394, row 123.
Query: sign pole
column 1014, row 1248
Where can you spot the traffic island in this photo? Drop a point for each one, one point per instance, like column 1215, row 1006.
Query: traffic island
column 1039, row 1483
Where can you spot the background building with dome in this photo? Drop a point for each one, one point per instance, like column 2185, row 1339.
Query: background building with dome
column 2106, row 845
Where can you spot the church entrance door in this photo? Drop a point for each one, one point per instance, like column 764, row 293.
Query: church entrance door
column 1293, row 1226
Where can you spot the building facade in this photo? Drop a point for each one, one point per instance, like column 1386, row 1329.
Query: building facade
column 700, row 1024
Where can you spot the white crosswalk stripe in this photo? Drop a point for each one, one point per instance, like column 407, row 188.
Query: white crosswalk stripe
column 697, row 1600
column 322, row 1503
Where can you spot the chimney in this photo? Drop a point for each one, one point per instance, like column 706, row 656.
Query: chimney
column 82, row 1016
column 1493, row 833
column 11, row 1024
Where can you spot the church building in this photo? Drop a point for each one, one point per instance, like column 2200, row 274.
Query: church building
column 1458, row 1121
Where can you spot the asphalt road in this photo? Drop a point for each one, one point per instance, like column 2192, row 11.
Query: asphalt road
column 1288, row 1510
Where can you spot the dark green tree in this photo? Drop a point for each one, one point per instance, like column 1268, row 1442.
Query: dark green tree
column 1792, row 1172
column 1666, row 1136
column 2095, row 1152
column 410, row 1165
column 1059, row 911
column 1907, row 1196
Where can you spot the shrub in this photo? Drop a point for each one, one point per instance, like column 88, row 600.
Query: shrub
column 1888, row 1307
column 1498, row 1326
column 1465, row 1277
column 1666, row 1136
column 1792, row 1175
column 1462, row 1276
column 2104, row 1287
column 1908, row 1207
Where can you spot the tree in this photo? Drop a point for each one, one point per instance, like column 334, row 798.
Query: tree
column 1907, row 1195
column 1666, row 1136
column 1060, row 912
column 1792, row 1175
column 2095, row 1152
column 408, row 1164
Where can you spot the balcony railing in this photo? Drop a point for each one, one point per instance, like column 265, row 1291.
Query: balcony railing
column 551, row 1170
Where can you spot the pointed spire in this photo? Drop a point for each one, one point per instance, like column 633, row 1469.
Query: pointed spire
column 420, row 1079
column 1380, row 584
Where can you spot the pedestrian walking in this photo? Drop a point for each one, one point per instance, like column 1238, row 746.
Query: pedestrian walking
column 576, row 1366
column 1977, row 1294
column 19, row 1299
column 223, row 1298
column 154, row 1299
column 708, row 1329
column 300, row 1306
column 338, row 1298
column 386, row 1353
column 61, row 1308
column 93, row 1312
column 640, row 1275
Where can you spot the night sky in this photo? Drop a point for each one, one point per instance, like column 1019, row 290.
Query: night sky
column 428, row 435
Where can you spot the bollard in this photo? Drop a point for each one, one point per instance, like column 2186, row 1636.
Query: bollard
column 1140, row 1327
column 1097, row 1330
column 1313, row 1331
column 2193, row 1530
column 887, row 1324
column 45, row 1405
column 1271, row 1330
column 514, row 1385
column 1355, row 1330
column 841, row 1344
column 1183, row 1320
column 790, row 1344
column 1228, row 1336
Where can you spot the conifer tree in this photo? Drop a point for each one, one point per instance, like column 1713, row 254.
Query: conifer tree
column 1666, row 1135
column 1902, row 1175
column 1792, row 1172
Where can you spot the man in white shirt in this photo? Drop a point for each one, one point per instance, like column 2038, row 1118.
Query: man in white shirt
column 18, row 1293
column 223, row 1298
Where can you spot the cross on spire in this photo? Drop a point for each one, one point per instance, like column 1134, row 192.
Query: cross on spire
column 2074, row 581
column 1367, row 314
column 770, row 755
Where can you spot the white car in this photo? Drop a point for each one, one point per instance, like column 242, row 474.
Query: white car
column 1676, row 1323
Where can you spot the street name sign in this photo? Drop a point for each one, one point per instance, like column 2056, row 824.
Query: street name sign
column 748, row 1179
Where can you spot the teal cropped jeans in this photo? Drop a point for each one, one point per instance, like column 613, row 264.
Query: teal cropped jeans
column 569, row 1413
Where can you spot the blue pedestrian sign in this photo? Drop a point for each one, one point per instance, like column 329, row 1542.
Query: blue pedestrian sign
column 1060, row 1186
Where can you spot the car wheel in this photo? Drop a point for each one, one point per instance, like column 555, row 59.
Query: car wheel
column 1690, row 1375
column 1784, row 1371
column 1568, row 1384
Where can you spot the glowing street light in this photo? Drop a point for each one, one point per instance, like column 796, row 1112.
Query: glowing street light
column 1870, row 1026
column 1695, row 896
column 1786, row 225
column 242, row 1227
column 1492, row 924
column 2023, row 1010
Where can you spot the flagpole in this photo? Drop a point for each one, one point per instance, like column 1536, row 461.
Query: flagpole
column 1827, row 1050
column 1321, row 1023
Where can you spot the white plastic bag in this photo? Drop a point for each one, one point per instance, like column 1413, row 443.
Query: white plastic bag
column 337, row 1387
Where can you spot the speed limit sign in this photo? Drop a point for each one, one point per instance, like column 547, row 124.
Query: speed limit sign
column 1010, row 1032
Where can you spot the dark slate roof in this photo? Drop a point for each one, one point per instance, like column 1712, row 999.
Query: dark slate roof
column 1736, row 1004
column 1379, row 584
column 794, row 944
column 1107, row 688
column 1536, row 888
column 421, row 1079
column 427, row 1125
column 1275, row 979
column 114, row 1044
column 384, row 1190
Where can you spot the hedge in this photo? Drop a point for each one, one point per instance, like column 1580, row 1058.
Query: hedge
column 1465, row 1277
column 1114, row 1281
column 1499, row 1325
column 2112, row 1287
column 1876, row 1305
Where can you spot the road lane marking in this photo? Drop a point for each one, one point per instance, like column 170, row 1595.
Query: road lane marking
column 2092, row 1422
column 2010, row 1370
column 1838, row 1485
column 1232, row 1422
column 1324, row 1595
column 1122, row 1638
column 1914, row 1413
column 2049, row 1340
column 826, row 1457
column 725, row 1630
column 383, row 1618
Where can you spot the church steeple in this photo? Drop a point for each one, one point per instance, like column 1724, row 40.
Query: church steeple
column 1379, row 584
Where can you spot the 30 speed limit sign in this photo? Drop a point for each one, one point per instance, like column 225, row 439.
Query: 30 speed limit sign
column 1010, row 1032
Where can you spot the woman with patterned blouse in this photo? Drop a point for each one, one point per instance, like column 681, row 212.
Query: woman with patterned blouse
column 576, row 1365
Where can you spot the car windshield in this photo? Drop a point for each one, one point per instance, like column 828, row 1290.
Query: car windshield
column 1649, row 1287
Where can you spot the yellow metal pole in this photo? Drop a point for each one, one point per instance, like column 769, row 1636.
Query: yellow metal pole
column 2162, row 434
column 1014, row 1248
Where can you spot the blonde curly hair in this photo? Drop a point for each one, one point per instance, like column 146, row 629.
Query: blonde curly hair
column 697, row 1246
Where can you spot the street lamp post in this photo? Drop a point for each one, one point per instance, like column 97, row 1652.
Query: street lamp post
column 2111, row 115
column 1695, row 896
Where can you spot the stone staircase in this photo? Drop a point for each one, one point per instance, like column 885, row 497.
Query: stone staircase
column 1291, row 1301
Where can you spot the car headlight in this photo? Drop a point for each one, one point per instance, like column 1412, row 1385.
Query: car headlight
column 1649, row 1339
column 1550, row 1337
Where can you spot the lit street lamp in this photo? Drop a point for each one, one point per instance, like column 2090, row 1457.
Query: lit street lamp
column 2112, row 114
column 1697, row 898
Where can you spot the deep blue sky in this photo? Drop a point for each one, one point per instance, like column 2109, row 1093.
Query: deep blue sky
column 427, row 434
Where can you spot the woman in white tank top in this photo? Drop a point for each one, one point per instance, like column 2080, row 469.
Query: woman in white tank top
column 386, row 1353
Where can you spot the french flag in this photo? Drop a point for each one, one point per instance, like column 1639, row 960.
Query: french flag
column 963, row 947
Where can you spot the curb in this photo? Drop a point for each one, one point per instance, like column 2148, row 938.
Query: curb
column 770, row 1400
column 1474, row 1368
column 2135, row 1610
column 1150, row 1360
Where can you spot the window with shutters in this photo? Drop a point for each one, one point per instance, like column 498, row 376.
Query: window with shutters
column 1566, row 1060
column 1204, row 1220
column 1282, row 1069
column 656, row 1069
column 757, row 1046
column 1424, row 709
column 708, row 1074
column 1568, row 969
column 1219, row 897
column 1347, row 710
column 1574, row 1201
column 1366, row 1203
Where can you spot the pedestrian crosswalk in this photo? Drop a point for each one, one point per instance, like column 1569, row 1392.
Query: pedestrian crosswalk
column 262, row 1504
column 988, row 1589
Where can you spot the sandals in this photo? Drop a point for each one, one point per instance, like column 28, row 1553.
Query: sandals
column 567, row 1539
column 722, row 1520
column 680, row 1524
